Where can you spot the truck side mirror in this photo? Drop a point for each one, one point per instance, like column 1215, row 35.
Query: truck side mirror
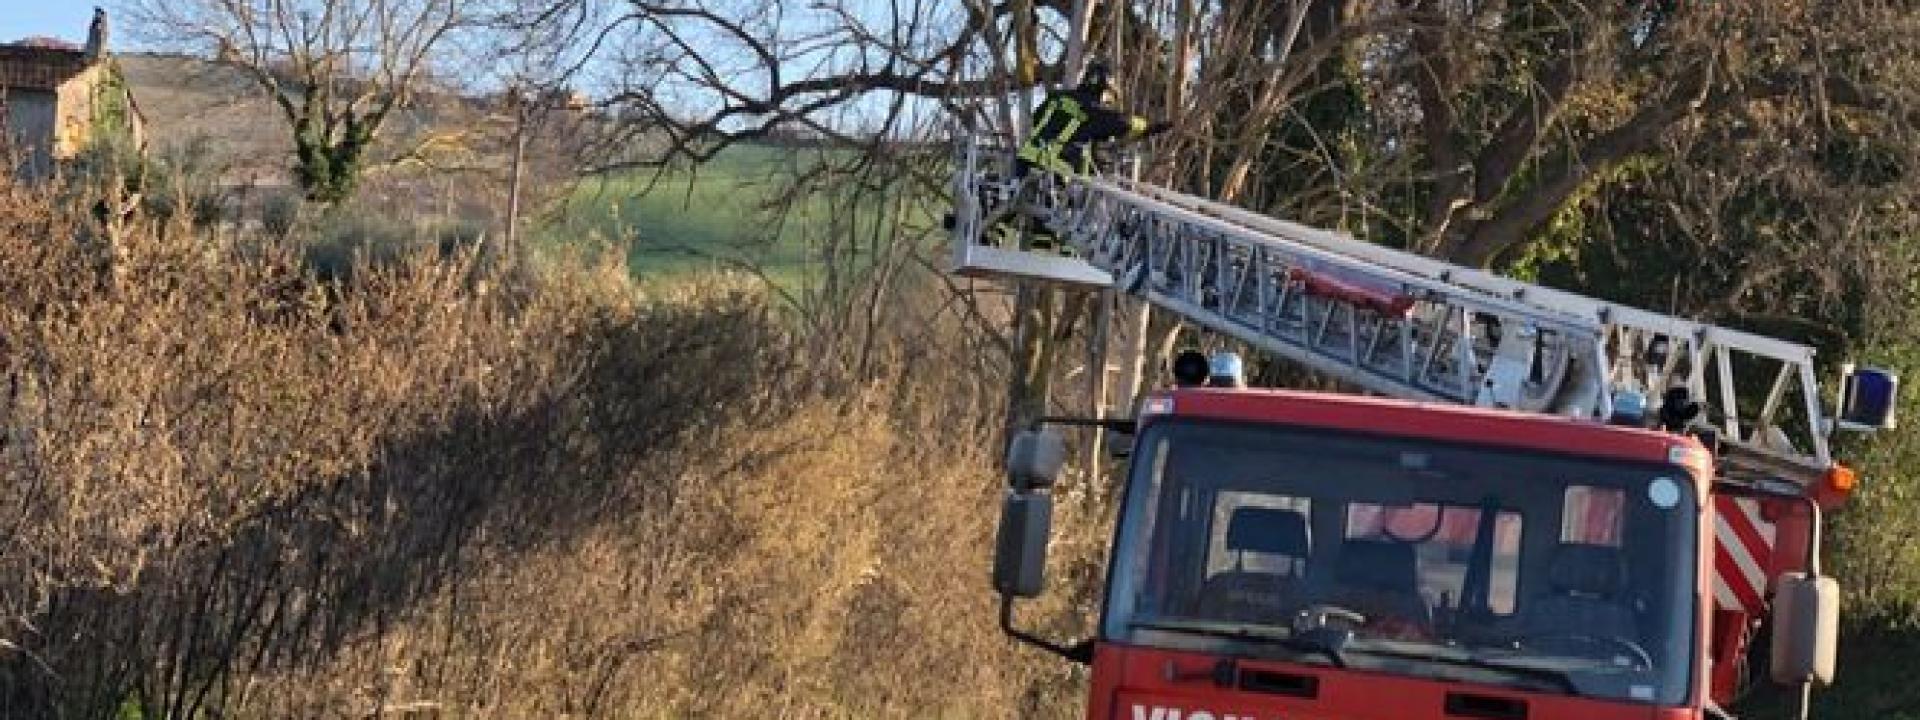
column 1806, row 629
column 1867, row 398
column 1020, row 552
column 1034, row 459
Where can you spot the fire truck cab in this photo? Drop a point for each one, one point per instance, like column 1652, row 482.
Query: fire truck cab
column 1286, row 555
column 1348, row 557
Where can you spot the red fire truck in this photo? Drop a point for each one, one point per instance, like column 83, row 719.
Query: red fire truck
column 1539, row 505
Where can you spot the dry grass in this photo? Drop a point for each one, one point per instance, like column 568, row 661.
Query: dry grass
column 449, row 490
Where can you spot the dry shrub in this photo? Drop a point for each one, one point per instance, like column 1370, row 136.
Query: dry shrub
column 798, row 571
column 444, row 490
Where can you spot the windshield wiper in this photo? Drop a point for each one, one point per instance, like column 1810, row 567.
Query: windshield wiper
column 1322, row 643
column 1560, row 679
column 1334, row 644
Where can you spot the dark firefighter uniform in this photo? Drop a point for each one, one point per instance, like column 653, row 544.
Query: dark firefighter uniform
column 1069, row 120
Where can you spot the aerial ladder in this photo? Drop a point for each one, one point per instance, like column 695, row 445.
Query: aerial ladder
column 1399, row 324
column 1409, row 327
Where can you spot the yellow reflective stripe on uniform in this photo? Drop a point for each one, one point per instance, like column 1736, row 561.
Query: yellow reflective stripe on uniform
column 1048, row 160
column 1035, row 149
column 1044, row 151
column 1067, row 130
column 1136, row 126
column 1046, row 114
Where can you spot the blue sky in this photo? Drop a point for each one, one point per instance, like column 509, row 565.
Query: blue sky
column 64, row 19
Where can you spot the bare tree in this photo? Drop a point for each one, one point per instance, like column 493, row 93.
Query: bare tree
column 1483, row 121
column 535, row 50
column 691, row 77
column 1460, row 129
column 336, row 69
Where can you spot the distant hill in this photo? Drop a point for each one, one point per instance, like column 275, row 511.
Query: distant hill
column 189, row 101
column 184, row 98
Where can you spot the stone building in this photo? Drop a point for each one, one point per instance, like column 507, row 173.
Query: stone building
column 60, row 99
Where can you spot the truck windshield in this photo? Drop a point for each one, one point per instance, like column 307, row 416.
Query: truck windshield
column 1459, row 562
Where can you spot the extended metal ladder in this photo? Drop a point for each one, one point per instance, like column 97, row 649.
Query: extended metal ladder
column 1392, row 322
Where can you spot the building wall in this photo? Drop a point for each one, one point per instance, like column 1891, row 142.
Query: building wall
column 31, row 118
column 75, row 114
column 55, row 126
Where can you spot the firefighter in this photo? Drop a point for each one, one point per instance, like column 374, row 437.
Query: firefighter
column 1068, row 121
column 1065, row 126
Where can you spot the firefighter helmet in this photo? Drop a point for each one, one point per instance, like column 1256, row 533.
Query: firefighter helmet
column 1097, row 79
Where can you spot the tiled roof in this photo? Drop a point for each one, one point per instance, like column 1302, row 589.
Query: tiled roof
column 42, row 41
column 40, row 68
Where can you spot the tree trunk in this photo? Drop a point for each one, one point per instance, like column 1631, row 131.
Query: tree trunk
column 1032, row 375
column 511, row 247
column 1137, row 322
column 1098, row 375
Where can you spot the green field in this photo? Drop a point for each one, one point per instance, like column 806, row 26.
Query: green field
column 719, row 215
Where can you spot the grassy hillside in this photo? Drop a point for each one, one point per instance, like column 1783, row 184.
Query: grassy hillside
column 740, row 209
column 717, row 216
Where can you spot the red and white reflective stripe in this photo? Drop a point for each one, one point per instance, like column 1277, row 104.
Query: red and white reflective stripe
column 1743, row 551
